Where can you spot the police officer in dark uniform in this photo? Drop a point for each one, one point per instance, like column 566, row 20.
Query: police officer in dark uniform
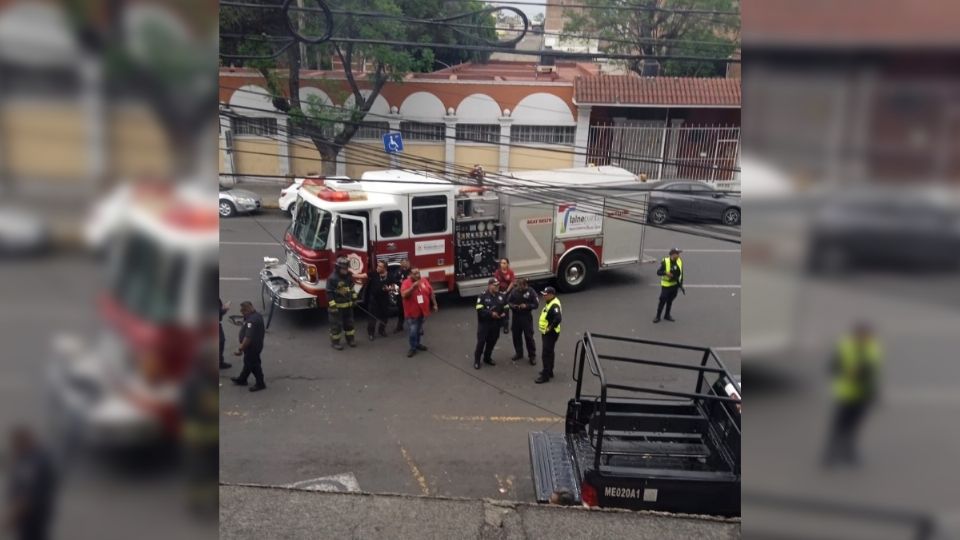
column 549, row 325
column 671, row 281
column 378, row 298
column 252, row 334
column 32, row 486
column 340, row 299
column 491, row 309
column 224, row 308
column 523, row 300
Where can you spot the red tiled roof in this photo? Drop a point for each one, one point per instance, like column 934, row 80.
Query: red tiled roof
column 660, row 91
column 854, row 23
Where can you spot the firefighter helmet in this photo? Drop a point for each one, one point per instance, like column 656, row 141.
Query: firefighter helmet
column 342, row 262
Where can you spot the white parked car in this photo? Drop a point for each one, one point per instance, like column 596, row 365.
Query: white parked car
column 235, row 201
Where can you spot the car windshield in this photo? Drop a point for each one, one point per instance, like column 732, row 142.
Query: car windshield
column 146, row 279
column 311, row 226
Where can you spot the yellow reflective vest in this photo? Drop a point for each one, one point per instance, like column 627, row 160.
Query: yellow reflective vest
column 857, row 368
column 667, row 281
column 544, row 324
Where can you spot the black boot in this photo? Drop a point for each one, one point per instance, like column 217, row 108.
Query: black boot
column 336, row 345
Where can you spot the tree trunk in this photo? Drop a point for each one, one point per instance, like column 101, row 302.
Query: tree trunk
column 328, row 154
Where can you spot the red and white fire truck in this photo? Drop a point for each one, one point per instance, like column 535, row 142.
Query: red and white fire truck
column 565, row 224
column 122, row 387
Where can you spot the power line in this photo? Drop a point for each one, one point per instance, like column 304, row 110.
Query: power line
column 586, row 151
column 602, row 209
column 440, row 168
column 681, row 11
column 493, row 49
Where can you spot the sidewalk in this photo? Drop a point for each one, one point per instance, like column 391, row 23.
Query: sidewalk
column 277, row 512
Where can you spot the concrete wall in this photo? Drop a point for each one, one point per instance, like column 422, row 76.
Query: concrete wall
column 306, row 158
column 45, row 140
column 487, row 156
column 534, row 159
column 257, row 155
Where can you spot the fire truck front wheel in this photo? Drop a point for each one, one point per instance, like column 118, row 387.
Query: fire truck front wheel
column 576, row 271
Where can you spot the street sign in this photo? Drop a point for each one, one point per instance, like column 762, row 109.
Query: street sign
column 392, row 143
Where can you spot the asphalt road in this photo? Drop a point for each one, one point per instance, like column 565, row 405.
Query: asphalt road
column 431, row 424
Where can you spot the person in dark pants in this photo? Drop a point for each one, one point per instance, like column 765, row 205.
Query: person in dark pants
column 31, row 489
column 252, row 334
column 671, row 281
column 491, row 309
column 855, row 367
column 224, row 308
column 201, row 436
column 523, row 301
column 378, row 298
column 506, row 280
column 419, row 301
column 402, row 275
column 341, row 297
column 549, row 326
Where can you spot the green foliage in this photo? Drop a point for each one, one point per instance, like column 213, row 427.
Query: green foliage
column 664, row 33
column 331, row 126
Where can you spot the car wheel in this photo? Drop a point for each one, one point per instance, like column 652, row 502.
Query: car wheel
column 227, row 209
column 731, row 216
column 659, row 215
column 575, row 273
column 831, row 260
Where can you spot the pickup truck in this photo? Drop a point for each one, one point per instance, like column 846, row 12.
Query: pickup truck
column 645, row 447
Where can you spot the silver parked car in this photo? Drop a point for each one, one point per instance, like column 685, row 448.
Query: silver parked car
column 235, row 201
column 692, row 201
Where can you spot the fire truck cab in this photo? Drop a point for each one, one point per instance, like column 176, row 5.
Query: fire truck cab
column 566, row 224
column 122, row 388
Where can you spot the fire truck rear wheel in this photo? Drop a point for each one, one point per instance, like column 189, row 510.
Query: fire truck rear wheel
column 575, row 272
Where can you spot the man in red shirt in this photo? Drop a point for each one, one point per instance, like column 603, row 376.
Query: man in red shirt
column 418, row 301
column 506, row 279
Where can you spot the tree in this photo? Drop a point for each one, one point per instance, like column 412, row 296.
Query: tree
column 331, row 128
column 664, row 31
column 538, row 18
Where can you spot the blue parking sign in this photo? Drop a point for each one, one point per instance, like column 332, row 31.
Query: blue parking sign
column 392, row 143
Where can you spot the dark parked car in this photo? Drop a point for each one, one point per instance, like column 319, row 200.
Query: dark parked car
column 914, row 232
column 692, row 201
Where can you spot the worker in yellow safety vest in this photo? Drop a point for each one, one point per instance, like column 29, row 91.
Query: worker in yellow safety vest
column 856, row 369
column 671, row 280
column 549, row 325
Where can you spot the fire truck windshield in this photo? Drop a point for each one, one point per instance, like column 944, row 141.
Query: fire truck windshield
column 311, row 227
column 147, row 279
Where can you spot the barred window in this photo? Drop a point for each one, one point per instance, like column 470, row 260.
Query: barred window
column 259, row 127
column 488, row 133
column 417, row 131
column 543, row 134
column 305, row 132
column 372, row 130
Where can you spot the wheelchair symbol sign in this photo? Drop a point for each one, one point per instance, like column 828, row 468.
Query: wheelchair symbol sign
column 392, row 143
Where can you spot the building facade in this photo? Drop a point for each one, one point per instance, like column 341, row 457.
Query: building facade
column 504, row 116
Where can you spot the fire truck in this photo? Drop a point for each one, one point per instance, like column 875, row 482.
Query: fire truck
column 121, row 388
column 566, row 224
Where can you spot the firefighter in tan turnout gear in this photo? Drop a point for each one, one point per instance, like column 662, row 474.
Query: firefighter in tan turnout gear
column 341, row 297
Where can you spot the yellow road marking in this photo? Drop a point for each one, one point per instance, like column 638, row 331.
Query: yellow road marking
column 502, row 419
column 416, row 471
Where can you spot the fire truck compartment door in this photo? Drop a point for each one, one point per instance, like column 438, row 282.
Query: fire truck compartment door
column 530, row 237
column 352, row 241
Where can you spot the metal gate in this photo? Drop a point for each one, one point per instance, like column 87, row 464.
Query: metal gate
column 708, row 153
